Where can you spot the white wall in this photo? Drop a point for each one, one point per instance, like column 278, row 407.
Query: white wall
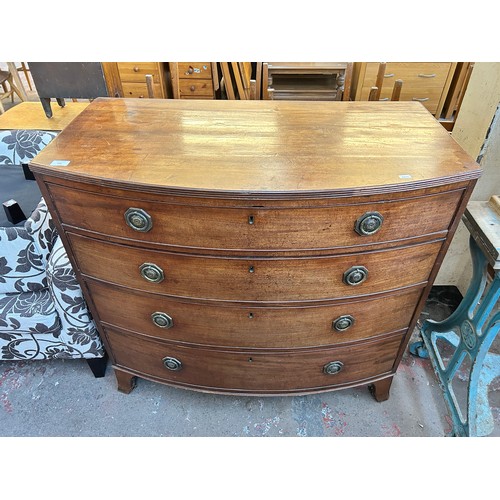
column 478, row 109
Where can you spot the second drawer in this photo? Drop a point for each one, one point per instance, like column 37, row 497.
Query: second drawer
column 254, row 280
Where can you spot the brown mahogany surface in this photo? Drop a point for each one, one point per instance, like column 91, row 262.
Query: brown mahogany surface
column 254, row 210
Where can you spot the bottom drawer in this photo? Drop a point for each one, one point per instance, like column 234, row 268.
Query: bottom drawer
column 254, row 372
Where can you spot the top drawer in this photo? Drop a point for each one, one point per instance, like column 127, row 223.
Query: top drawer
column 256, row 228
column 195, row 70
column 137, row 71
column 412, row 74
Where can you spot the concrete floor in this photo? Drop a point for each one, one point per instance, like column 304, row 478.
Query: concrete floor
column 62, row 398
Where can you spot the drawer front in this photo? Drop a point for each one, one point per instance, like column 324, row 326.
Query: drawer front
column 196, row 87
column 255, row 228
column 428, row 96
column 427, row 74
column 137, row 71
column 240, row 279
column 423, row 82
column 251, row 371
column 139, row 89
column 254, row 327
column 195, row 70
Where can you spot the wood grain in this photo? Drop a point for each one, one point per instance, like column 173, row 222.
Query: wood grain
column 257, row 327
column 254, row 279
column 252, row 371
column 236, row 148
column 258, row 228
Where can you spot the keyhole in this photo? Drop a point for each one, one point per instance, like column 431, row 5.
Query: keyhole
column 250, row 219
column 250, row 315
column 251, row 269
column 250, row 360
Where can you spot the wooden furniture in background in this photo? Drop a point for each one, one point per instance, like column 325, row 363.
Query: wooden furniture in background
column 375, row 92
column 306, row 80
column 61, row 80
column 455, row 95
column 30, row 116
column 128, row 79
column 9, row 87
column 237, row 80
column 194, row 80
column 25, row 69
column 257, row 253
column 425, row 82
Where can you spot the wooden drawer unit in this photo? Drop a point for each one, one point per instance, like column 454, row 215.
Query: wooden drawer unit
column 128, row 79
column 193, row 80
column 423, row 82
column 278, row 248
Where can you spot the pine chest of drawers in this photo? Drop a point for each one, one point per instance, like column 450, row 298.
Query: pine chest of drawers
column 256, row 247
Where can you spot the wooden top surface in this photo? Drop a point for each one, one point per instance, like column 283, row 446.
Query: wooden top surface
column 482, row 218
column 31, row 116
column 270, row 148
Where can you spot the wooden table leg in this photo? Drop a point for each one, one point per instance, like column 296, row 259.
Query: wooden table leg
column 381, row 388
column 126, row 382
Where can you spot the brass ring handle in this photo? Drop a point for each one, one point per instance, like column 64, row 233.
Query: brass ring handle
column 151, row 272
column 343, row 323
column 355, row 275
column 423, row 75
column 333, row 367
column 138, row 219
column 420, row 99
column 369, row 223
column 162, row 320
column 172, row 364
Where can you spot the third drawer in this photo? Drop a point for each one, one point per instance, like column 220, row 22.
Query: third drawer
column 256, row 327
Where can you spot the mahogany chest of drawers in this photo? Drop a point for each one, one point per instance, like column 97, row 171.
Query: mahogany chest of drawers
column 256, row 247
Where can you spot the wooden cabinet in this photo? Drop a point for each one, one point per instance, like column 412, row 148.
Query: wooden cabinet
column 128, row 79
column 317, row 81
column 256, row 247
column 193, row 80
column 425, row 82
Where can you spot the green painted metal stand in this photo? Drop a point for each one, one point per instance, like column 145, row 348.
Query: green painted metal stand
column 471, row 329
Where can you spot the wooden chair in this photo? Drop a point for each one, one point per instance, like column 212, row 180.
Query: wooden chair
column 8, row 90
column 25, row 69
column 377, row 89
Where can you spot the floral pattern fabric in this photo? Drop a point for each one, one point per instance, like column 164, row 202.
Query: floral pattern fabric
column 21, row 146
column 21, row 266
column 43, row 313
